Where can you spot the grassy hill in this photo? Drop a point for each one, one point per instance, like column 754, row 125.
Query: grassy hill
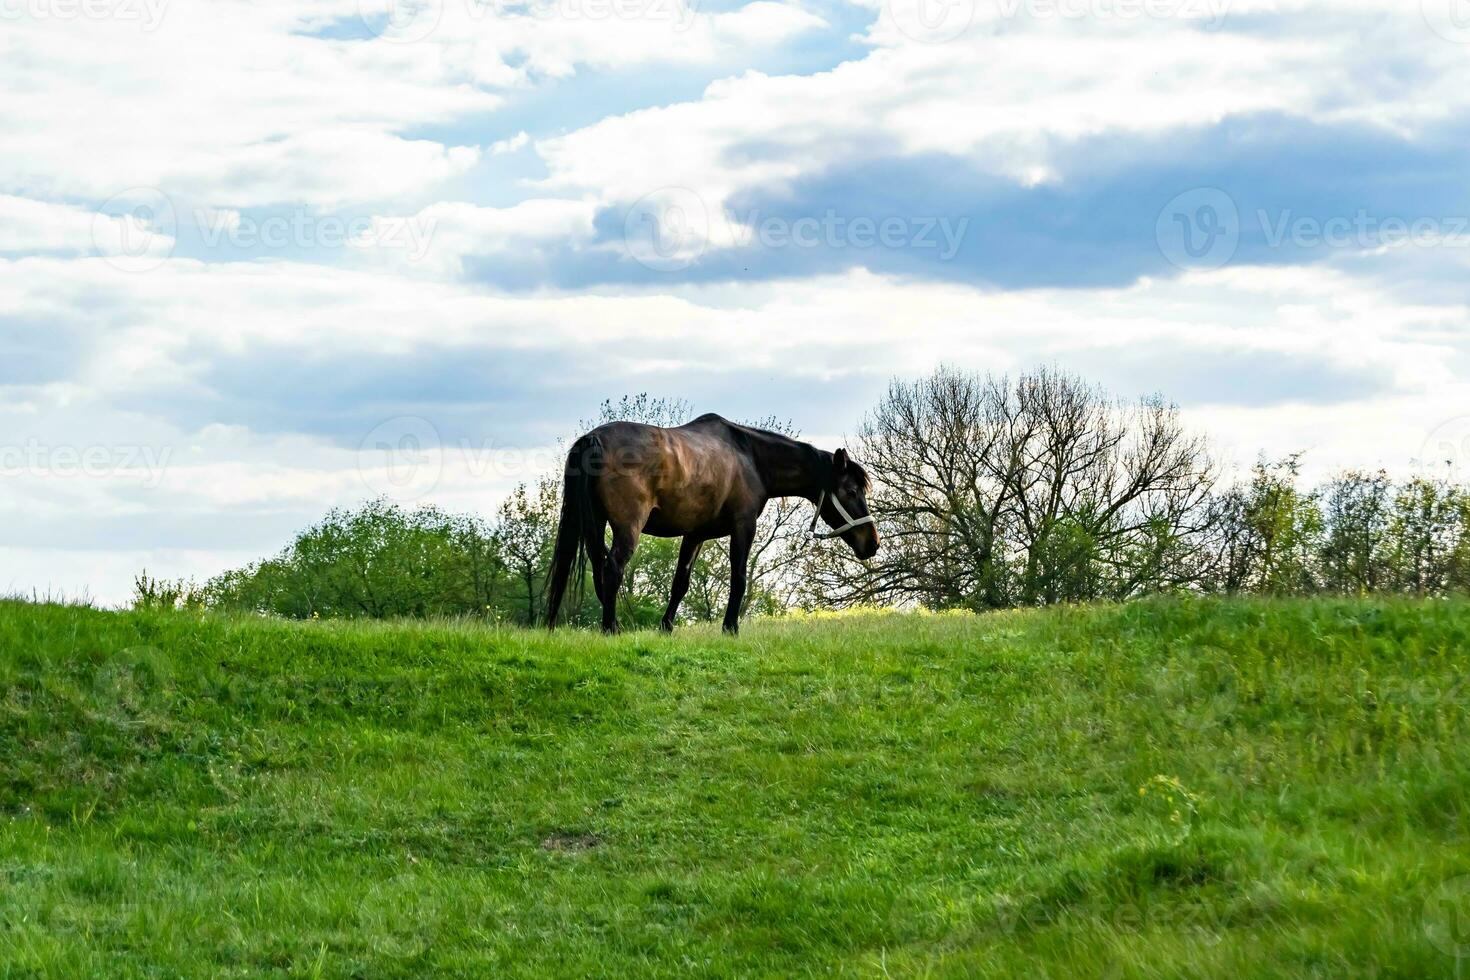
column 1201, row 788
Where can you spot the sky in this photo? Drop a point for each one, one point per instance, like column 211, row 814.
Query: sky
column 258, row 259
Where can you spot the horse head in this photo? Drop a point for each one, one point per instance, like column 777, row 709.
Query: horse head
column 843, row 506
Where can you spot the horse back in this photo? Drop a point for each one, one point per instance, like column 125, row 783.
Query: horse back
column 692, row 475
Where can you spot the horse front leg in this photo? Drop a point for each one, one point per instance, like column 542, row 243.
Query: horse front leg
column 688, row 552
column 740, row 542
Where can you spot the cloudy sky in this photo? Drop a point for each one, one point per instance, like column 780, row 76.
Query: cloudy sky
column 259, row 258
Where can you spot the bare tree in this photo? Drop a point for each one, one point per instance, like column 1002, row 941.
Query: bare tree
column 936, row 451
column 992, row 493
column 1112, row 492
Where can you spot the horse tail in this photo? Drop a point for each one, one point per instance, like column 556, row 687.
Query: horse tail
column 575, row 523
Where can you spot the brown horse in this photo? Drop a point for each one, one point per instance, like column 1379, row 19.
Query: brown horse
column 706, row 479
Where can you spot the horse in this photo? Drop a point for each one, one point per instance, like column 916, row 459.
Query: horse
column 709, row 478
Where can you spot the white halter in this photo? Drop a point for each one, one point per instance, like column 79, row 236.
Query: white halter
column 841, row 512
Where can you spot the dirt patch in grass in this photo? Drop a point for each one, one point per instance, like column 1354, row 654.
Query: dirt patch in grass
column 570, row 843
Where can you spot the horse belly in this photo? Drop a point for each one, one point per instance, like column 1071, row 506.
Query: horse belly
column 693, row 506
column 659, row 527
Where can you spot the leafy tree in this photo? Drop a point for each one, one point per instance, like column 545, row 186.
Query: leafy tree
column 525, row 529
column 1356, row 518
column 1427, row 530
column 376, row 561
column 166, row 594
column 1283, row 524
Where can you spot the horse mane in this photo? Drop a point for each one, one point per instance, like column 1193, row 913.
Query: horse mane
column 781, row 439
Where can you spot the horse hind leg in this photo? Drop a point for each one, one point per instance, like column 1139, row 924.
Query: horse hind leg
column 596, row 544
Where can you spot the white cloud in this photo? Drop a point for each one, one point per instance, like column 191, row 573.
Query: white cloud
column 168, row 329
column 444, row 234
column 764, row 22
column 42, row 227
column 222, row 105
column 1005, row 93
column 517, row 142
column 238, row 105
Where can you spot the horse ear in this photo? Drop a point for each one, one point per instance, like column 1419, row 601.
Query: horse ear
column 839, row 460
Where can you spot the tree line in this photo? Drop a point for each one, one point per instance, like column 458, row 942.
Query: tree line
column 991, row 492
column 996, row 493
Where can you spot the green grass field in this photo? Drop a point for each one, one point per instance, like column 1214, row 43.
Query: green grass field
column 1200, row 788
